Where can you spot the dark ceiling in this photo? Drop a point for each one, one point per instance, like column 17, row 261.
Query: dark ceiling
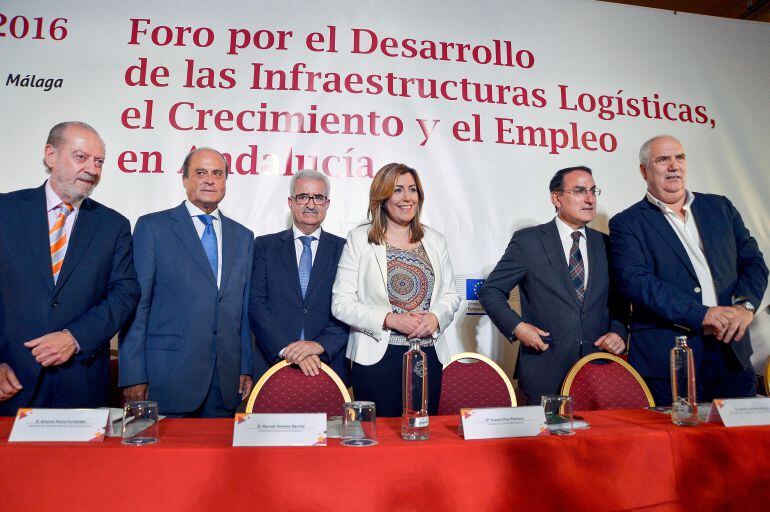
column 755, row 10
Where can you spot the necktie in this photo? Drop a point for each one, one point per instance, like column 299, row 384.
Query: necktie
column 576, row 269
column 305, row 262
column 57, row 238
column 209, row 241
column 305, row 266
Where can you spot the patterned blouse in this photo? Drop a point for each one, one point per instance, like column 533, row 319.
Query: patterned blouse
column 410, row 285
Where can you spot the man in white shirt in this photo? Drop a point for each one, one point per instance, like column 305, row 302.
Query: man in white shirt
column 562, row 272
column 189, row 345
column 690, row 267
column 291, row 286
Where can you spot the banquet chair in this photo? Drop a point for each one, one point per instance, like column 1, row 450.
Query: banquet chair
column 283, row 388
column 473, row 380
column 604, row 381
column 767, row 376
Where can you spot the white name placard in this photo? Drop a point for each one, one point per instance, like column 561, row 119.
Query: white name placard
column 496, row 422
column 740, row 412
column 280, row 430
column 59, row 425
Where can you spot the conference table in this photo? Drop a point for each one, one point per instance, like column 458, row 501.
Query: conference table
column 626, row 460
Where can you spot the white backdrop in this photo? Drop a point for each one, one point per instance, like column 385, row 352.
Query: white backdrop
column 710, row 76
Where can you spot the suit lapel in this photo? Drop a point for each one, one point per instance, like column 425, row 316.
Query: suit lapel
column 185, row 231
column 35, row 221
column 658, row 221
column 86, row 226
column 555, row 252
column 435, row 263
column 321, row 263
column 380, row 254
column 710, row 237
column 289, row 258
column 228, row 249
column 597, row 268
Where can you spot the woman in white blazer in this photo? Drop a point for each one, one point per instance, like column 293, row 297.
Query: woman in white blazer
column 394, row 283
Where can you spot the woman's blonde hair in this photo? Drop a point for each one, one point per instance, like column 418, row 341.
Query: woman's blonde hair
column 383, row 187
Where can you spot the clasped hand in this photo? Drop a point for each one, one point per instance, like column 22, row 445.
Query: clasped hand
column 305, row 355
column 413, row 325
column 727, row 323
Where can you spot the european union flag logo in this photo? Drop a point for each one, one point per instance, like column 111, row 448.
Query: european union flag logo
column 472, row 287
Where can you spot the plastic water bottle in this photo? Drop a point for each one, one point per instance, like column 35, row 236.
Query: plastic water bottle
column 414, row 420
column 684, row 409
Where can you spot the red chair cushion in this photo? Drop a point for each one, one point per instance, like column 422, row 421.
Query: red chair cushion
column 606, row 385
column 474, row 384
column 290, row 391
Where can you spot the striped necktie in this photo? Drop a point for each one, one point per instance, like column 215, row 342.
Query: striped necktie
column 57, row 237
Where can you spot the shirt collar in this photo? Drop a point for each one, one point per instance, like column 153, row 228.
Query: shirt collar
column 565, row 232
column 298, row 233
column 195, row 211
column 689, row 198
column 52, row 199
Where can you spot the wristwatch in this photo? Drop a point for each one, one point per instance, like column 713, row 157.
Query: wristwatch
column 748, row 306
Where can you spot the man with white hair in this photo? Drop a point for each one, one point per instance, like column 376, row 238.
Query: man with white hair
column 291, row 284
column 68, row 282
column 690, row 268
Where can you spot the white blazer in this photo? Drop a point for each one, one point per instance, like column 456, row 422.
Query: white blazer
column 360, row 294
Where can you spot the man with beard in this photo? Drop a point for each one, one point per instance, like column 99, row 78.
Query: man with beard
column 68, row 281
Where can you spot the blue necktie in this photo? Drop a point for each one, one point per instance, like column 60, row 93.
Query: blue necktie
column 305, row 263
column 576, row 269
column 209, row 241
column 305, row 266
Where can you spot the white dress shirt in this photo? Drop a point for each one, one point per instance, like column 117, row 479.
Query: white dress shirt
column 298, row 243
column 200, row 227
column 687, row 232
column 565, row 236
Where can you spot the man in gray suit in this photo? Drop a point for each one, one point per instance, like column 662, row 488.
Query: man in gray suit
column 566, row 301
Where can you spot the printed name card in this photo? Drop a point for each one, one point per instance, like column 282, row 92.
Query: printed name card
column 43, row 425
column 740, row 412
column 280, row 430
column 496, row 422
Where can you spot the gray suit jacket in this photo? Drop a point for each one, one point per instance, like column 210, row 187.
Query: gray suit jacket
column 534, row 260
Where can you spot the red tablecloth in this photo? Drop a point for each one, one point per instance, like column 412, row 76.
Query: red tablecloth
column 627, row 460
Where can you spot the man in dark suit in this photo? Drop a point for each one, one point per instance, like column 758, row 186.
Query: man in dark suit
column 689, row 267
column 291, row 286
column 563, row 276
column 189, row 345
column 67, row 282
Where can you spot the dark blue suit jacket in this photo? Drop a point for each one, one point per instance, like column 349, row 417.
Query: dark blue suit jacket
column 95, row 293
column 653, row 270
column 534, row 260
column 277, row 310
column 183, row 323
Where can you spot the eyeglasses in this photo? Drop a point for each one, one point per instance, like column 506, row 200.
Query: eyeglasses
column 583, row 192
column 303, row 199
